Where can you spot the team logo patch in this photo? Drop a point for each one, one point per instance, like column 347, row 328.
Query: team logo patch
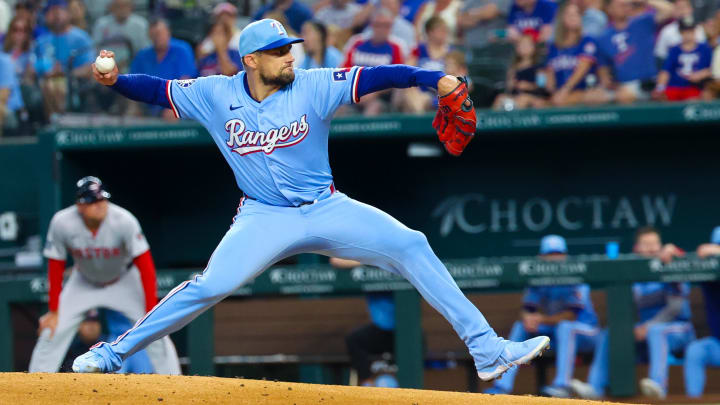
column 340, row 75
column 186, row 82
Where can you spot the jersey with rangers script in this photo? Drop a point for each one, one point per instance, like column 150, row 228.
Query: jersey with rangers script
column 101, row 257
column 277, row 148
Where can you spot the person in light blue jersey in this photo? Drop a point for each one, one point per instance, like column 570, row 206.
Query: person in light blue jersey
column 663, row 326
column 271, row 123
column 564, row 312
column 705, row 352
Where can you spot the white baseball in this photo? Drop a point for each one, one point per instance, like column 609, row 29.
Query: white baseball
column 104, row 65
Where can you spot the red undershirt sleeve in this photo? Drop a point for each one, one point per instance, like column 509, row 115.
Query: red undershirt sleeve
column 145, row 264
column 56, row 268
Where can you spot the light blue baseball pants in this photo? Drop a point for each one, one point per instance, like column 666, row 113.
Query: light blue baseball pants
column 569, row 338
column 699, row 354
column 662, row 338
column 335, row 225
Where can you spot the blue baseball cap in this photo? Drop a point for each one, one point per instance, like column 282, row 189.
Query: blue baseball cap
column 263, row 35
column 715, row 238
column 54, row 3
column 553, row 244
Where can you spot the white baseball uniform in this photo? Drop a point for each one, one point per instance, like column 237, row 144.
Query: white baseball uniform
column 103, row 276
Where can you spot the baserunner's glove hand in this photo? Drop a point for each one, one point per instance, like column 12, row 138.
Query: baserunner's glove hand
column 455, row 119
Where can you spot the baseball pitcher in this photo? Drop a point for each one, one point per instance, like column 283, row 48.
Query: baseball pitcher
column 271, row 124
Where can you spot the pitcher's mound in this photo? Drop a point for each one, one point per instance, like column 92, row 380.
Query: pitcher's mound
column 115, row 389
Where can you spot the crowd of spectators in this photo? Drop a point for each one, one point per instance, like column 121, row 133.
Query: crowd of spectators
column 549, row 53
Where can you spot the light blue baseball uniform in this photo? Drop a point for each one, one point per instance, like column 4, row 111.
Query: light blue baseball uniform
column 663, row 338
column 569, row 337
column 278, row 151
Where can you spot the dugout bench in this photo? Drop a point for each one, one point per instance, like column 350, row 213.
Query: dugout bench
column 615, row 276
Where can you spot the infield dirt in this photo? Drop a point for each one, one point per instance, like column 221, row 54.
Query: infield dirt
column 115, row 389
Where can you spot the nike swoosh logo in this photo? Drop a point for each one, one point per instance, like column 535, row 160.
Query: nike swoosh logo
column 233, row 108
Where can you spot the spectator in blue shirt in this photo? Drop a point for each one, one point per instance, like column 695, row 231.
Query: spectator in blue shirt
column 64, row 51
column 571, row 60
column 626, row 48
column 687, row 67
column 531, row 17
column 10, row 97
column 168, row 58
column 295, row 12
column 318, row 53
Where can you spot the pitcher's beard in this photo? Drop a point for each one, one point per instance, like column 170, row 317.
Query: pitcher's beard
column 281, row 80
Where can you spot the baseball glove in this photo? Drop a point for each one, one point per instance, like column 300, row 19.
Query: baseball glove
column 455, row 119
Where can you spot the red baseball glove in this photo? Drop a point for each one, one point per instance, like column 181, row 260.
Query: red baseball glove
column 455, row 120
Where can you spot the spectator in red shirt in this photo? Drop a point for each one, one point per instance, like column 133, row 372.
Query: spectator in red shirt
column 377, row 50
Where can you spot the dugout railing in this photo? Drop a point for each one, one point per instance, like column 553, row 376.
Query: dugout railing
column 478, row 275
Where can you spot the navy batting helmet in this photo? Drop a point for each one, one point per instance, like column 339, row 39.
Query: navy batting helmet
column 90, row 189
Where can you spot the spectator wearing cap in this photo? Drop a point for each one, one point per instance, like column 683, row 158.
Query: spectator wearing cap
column 627, row 65
column 448, row 10
column 377, row 50
column 167, row 58
column 318, row 52
column 224, row 17
column 705, row 352
column 686, row 70
column 571, row 60
column 531, row 17
column 564, row 312
column 294, row 11
column 222, row 42
column 64, row 51
column 122, row 25
column 670, row 34
column 483, row 20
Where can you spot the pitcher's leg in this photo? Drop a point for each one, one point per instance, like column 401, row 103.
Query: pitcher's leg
column 258, row 238
column 126, row 298
column 374, row 237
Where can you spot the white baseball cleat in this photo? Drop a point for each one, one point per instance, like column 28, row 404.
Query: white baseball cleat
column 515, row 354
column 584, row 390
column 650, row 388
column 88, row 363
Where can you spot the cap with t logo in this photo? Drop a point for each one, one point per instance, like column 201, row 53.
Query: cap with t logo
column 263, row 35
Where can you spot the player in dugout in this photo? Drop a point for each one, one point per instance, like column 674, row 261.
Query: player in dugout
column 564, row 312
column 664, row 325
column 705, row 352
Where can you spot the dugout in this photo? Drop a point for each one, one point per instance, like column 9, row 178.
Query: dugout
column 592, row 176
